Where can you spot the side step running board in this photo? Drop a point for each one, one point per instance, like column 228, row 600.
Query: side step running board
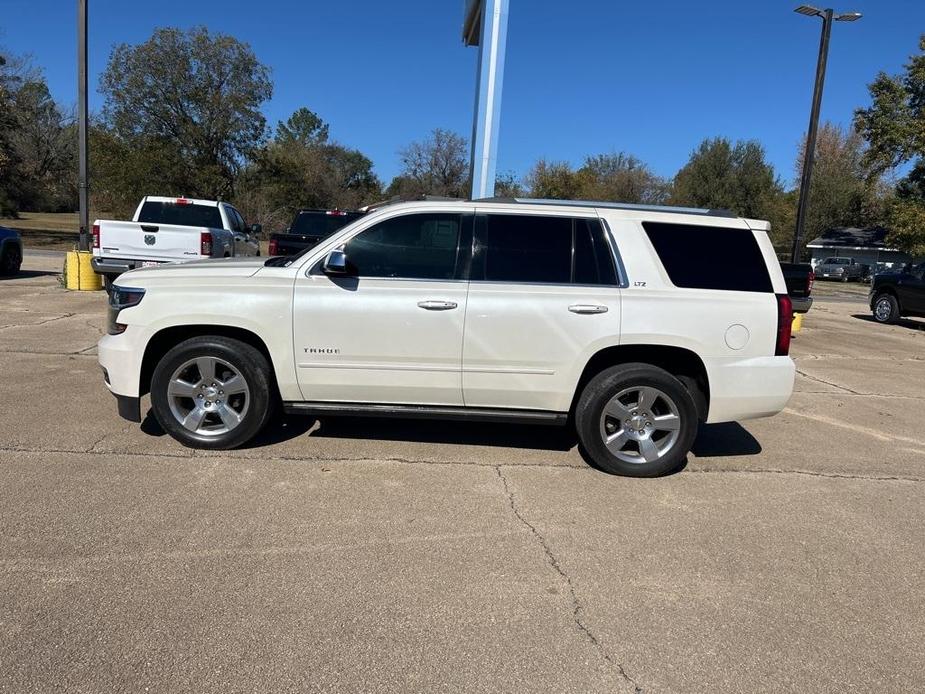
column 472, row 414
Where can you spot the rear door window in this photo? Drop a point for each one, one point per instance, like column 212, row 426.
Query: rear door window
column 708, row 257
column 182, row 214
column 544, row 250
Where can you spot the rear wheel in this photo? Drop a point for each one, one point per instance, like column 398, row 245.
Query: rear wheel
column 10, row 260
column 212, row 392
column 886, row 308
column 636, row 420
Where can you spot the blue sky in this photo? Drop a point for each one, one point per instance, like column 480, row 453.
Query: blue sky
column 584, row 77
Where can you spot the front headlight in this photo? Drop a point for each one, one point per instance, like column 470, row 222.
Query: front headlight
column 120, row 298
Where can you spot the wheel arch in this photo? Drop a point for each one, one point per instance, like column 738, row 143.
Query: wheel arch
column 680, row 362
column 167, row 338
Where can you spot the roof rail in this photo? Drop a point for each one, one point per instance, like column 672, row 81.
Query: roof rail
column 395, row 199
column 613, row 205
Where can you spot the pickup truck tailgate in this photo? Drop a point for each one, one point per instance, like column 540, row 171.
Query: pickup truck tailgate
column 140, row 241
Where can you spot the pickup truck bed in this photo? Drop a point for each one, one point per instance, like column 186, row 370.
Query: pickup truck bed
column 308, row 228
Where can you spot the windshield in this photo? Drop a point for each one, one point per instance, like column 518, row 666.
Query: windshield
column 321, row 224
column 187, row 215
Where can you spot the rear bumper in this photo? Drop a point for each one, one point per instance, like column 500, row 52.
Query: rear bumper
column 115, row 266
column 748, row 388
column 801, row 304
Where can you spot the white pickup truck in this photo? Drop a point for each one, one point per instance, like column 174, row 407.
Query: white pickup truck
column 164, row 230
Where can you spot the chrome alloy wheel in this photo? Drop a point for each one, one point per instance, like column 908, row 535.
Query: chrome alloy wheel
column 208, row 396
column 640, row 424
column 883, row 309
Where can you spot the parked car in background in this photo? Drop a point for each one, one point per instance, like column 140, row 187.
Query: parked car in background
column 799, row 278
column 10, row 251
column 308, row 228
column 896, row 294
column 164, row 230
column 632, row 323
column 843, row 269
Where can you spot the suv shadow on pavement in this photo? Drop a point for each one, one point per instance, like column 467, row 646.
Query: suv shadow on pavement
column 459, row 433
column 902, row 322
column 282, row 428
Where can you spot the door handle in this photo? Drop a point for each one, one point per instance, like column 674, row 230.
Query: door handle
column 437, row 305
column 587, row 308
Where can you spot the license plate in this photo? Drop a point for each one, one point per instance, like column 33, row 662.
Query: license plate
column 149, row 263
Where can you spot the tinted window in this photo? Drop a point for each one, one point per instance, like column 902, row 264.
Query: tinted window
column 521, row 248
column 593, row 258
column 706, row 257
column 419, row 246
column 550, row 250
column 321, row 224
column 185, row 215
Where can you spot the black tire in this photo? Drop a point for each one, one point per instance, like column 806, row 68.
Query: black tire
column 10, row 260
column 591, row 428
column 885, row 308
column 232, row 356
column 108, row 281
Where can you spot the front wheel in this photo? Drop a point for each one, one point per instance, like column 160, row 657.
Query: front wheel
column 886, row 309
column 212, row 392
column 636, row 420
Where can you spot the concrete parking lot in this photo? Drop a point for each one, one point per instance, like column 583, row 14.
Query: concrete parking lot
column 358, row 555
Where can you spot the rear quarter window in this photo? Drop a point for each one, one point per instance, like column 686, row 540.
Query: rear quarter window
column 708, row 257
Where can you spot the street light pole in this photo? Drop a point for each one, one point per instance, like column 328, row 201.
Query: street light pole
column 83, row 240
column 809, row 156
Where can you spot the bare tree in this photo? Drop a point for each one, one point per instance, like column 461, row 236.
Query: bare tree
column 438, row 165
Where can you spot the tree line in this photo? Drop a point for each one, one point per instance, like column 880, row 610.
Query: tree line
column 182, row 115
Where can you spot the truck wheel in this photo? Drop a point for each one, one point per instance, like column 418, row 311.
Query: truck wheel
column 212, row 392
column 11, row 260
column 886, row 308
column 636, row 420
column 108, row 281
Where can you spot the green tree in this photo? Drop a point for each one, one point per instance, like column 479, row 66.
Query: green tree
column 304, row 127
column 554, row 181
column 736, row 177
column 621, row 177
column 199, row 94
column 843, row 193
column 894, row 127
column 300, row 168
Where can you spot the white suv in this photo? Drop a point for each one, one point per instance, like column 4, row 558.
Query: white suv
column 631, row 323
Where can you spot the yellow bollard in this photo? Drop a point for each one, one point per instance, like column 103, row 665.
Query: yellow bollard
column 80, row 275
column 797, row 323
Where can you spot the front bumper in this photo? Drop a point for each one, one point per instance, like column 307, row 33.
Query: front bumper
column 120, row 357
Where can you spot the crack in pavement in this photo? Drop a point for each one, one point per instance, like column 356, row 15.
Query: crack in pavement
column 583, row 468
column 829, row 383
column 577, row 608
column 42, row 322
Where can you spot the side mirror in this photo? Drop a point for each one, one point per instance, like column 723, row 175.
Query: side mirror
column 336, row 263
column 256, row 229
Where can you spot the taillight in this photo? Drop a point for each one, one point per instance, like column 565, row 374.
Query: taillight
column 205, row 243
column 96, row 235
column 809, row 282
column 784, row 325
column 274, row 247
column 182, row 201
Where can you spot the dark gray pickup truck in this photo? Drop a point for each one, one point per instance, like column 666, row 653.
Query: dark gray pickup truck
column 799, row 278
column 308, row 228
